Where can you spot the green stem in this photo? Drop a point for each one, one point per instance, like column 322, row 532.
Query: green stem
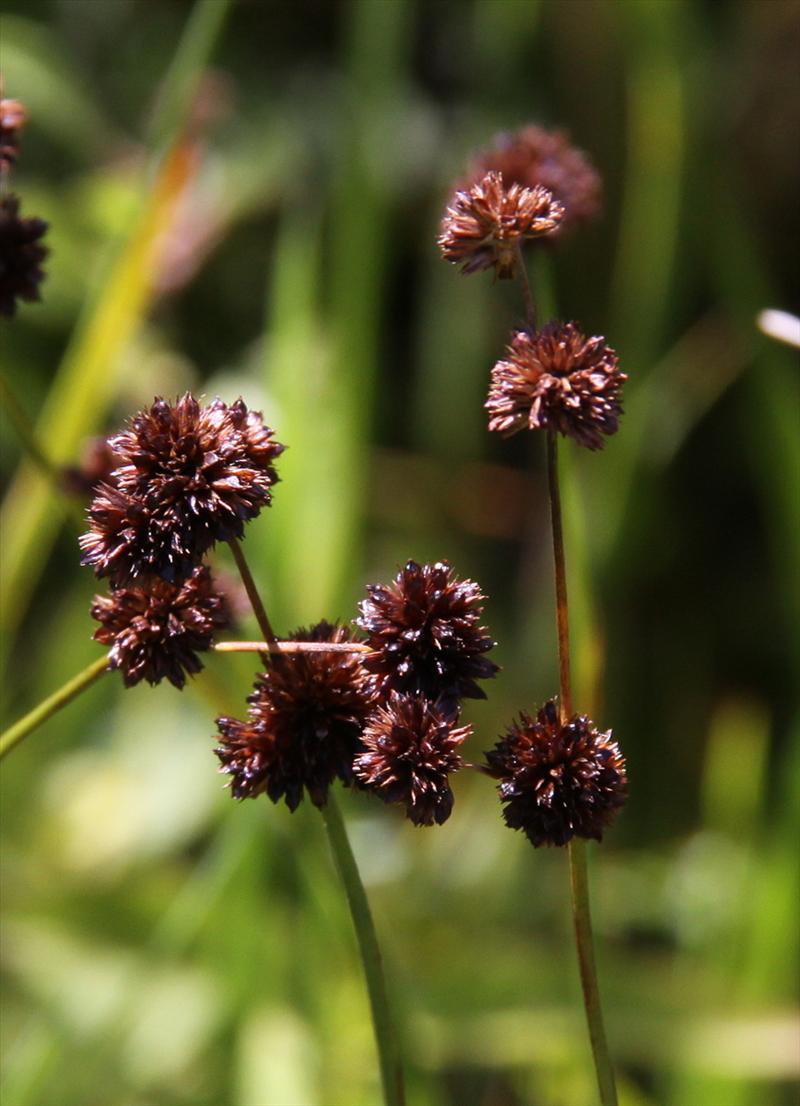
column 259, row 610
column 26, row 433
column 391, row 1071
column 581, row 914
column 34, row 718
column 582, row 920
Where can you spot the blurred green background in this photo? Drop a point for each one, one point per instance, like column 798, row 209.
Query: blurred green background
column 163, row 945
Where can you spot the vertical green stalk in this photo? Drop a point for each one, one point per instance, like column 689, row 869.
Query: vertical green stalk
column 391, row 1072
column 259, row 610
column 48, row 707
column 581, row 914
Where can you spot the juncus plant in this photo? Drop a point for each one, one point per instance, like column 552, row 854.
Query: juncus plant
column 375, row 705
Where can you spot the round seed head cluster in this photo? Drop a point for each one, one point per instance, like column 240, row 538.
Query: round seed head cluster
column 411, row 748
column 155, row 633
column 21, row 256
column 485, row 222
column 187, row 477
column 425, row 631
column 535, row 156
column 304, row 723
column 558, row 781
column 556, row 378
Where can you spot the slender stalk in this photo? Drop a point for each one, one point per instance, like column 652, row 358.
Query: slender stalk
column 581, row 914
column 527, row 288
column 252, row 593
column 284, row 647
column 562, row 607
column 48, row 707
column 391, row 1071
column 26, row 433
column 584, row 942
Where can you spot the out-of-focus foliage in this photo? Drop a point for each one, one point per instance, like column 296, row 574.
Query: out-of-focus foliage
column 163, row 944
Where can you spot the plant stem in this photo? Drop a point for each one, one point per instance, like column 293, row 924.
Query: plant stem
column 391, row 1072
column 527, row 289
column 284, row 647
column 26, row 433
column 34, row 718
column 581, row 914
column 584, row 942
column 252, row 593
column 562, row 607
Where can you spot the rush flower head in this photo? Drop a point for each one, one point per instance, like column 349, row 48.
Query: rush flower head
column 425, row 631
column 558, row 781
column 535, row 156
column 155, row 633
column 484, row 223
column 21, row 256
column 411, row 749
column 12, row 121
column 303, row 726
column 556, row 378
column 187, row 477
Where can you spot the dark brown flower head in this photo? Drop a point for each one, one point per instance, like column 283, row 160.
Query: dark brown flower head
column 188, row 476
column 485, row 222
column 155, row 633
column 534, row 156
column 12, row 121
column 556, row 378
column 411, row 748
column 303, row 726
column 21, row 256
column 425, row 631
column 558, row 781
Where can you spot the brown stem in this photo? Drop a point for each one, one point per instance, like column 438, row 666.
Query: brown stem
column 562, row 608
column 527, row 289
column 252, row 594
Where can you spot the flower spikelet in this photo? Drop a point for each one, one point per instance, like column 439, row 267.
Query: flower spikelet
column 559, row 379
column 156, row 632
column 187, row 477
column 558, row 781
column 304, row 723
column 425, row 631
column 535, row 156
column 484, row 223
column 411, row 748
column 21, row 256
